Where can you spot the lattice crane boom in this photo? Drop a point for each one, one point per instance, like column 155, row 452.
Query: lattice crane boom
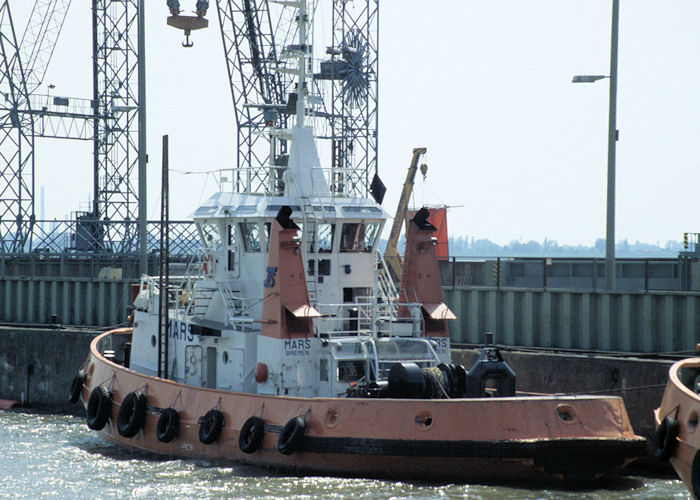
column 40, row 37
column 248, row 36
column 257, row 34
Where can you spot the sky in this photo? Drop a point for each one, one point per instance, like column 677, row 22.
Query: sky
column 516, row 149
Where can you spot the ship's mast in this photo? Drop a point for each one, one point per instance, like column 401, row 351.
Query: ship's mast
column 302, row 54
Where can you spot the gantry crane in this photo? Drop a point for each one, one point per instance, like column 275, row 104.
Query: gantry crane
column 23, row 68
column 112, row 119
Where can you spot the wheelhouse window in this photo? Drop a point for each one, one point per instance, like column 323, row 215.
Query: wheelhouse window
column 231, row 235
column 250, row 233
column 211, row 236
column 324, row 238
column 358, row 237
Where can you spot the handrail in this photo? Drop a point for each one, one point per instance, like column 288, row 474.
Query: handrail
column 270, row 180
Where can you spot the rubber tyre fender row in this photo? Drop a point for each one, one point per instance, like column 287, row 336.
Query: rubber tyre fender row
column 210, row 426
column 291, row 436
column 132, row 414
column 99, row 408
column 252, row 434
column 665, row 440
column 168, row 425
column 76, row 386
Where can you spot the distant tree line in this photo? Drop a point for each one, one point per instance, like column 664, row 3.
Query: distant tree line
column 466, row 246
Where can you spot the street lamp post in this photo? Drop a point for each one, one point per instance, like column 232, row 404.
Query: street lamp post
column 612, row 139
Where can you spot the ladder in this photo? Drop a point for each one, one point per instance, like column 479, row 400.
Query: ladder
column 385, row 289
column 231, row 299
column 164, row 264
column 309, row 237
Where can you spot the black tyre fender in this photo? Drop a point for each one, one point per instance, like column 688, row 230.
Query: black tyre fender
column 665, row 440
column 76, row 386
column 291, row 436
column 99, row 408
column 251, row 436
column 132, row 414
column 168, row 425
column 210, row 426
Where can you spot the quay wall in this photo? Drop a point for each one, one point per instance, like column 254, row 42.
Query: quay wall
column 622, row 321
column 37, row 366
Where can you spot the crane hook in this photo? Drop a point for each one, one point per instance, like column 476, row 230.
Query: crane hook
column 187, row 43
column 424, row 170
column 188, row 23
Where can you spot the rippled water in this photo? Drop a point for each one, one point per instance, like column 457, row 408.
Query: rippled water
column 56, row 456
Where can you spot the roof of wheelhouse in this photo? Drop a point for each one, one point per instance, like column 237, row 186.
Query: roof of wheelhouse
column 238, row 205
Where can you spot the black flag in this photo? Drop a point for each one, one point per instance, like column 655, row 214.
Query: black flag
column 378, row 189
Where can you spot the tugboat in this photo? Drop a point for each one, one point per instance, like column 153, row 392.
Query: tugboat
column 288, row 345
column 677, row 439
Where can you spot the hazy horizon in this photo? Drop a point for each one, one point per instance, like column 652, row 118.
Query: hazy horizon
column 468, row 246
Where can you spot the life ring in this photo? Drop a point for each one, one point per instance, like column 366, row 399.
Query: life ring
column 132, row 414
column 168, row 425
column 251, row 436
column 210, row 426
column 291, row 436
column 665, row 439
column 76, row 386
column 99, row 408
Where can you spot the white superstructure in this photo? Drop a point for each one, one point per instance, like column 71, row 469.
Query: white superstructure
column 214, row 328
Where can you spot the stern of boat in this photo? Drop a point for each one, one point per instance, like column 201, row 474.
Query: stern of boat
column 677, row 436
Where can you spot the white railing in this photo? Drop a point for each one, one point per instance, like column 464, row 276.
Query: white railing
column 362, row 318
column 390, row 351
column 382, row 353
column 271, row 180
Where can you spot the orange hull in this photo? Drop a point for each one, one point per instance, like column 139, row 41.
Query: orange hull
column 681, row 439
column 457, row 439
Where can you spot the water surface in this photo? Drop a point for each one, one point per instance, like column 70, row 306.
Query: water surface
column 57, row 456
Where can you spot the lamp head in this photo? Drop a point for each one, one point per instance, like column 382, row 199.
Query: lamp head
column 587, row 78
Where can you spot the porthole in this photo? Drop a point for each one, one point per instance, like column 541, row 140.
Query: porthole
column 224, row 357
column 153, row 340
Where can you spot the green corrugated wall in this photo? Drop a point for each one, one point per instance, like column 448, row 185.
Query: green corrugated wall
column 74, row 301
column 651, row 322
